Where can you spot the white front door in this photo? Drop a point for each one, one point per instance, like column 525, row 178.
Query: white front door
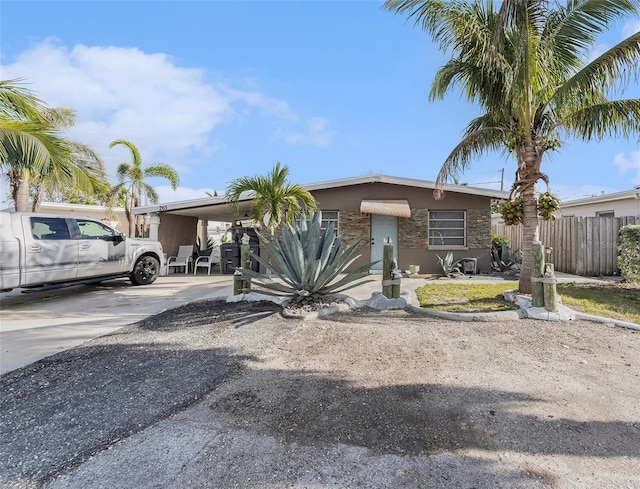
column 382, row 228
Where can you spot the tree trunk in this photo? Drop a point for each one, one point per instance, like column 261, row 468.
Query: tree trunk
column 529, row 172
column 37, row 199
column 21, row 193
column 132, row 222
column 529, row 235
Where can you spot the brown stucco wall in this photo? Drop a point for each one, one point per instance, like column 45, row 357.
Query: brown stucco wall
column 412, row 231
column 175, row 231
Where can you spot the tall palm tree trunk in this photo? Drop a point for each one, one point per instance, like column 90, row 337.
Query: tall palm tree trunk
column 21, row 193
column 132, row 222
column 529, row 235
column 530, row 158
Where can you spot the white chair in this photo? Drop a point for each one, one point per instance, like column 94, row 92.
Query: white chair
column 208, row 261
column 184, row 258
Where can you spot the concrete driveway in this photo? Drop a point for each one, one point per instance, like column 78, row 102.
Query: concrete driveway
column 34, row 325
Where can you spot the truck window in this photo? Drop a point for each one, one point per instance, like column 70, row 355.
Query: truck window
column 49, row 228
column 93, row 229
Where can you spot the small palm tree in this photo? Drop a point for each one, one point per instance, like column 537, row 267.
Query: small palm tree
column 524, row 64
column 273, row 197
column 131, row 178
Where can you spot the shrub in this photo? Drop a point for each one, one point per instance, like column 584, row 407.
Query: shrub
column 308, row 259
column 629, row 253
column 506, row 261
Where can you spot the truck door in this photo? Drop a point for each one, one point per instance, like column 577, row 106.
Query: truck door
column 102, row 250
column 51, row 255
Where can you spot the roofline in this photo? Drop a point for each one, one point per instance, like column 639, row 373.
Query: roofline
column 627, row 194
column 410, row 182
column 329, row 184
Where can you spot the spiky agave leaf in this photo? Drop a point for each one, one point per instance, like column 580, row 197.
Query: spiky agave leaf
column 307, row 260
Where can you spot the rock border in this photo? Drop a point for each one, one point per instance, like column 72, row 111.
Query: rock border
column 379, row 302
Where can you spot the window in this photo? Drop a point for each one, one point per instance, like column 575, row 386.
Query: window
column 605, row 214
column 328, row 218
column 49, row 228
column 94, row 230
column 447, row 228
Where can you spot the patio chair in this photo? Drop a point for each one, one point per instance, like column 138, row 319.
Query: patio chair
column 208, row 259
column 184, row 258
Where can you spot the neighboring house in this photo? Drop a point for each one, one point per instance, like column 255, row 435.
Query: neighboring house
column 374, row 207
column 619, row 204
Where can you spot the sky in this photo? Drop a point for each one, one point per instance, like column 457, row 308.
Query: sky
column 225, row 89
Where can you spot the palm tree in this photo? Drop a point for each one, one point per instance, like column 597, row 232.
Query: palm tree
column 524, row 64
column 33, row 153
column 131, row 179
column 273, row 197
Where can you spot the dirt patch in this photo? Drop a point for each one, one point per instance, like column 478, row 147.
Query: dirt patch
column 557, row 401
column 214, row 395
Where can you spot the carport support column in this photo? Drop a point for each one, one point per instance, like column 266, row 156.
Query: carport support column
column 203, row 234
column 154, row 226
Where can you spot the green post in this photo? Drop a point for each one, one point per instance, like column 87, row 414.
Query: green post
column 550, row 292
column 238, row 283
column 387, row 267
column 537, row 272
column 245, row 262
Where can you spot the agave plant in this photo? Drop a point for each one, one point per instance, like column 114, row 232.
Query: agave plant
column 449, row 265
column 307, row 260
column 506, row 261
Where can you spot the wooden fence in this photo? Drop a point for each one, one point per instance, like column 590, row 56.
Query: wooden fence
column 586, row 246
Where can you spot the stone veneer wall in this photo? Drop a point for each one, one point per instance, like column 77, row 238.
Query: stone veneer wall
column 413, row 231
column 479, row 228
column 352, row 224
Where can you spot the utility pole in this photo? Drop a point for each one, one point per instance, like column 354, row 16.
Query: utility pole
column 502, row 180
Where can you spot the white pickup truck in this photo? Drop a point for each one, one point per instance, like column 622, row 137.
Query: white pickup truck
column 42, row 250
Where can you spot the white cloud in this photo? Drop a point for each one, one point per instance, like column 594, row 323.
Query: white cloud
column 166, row 194
column 270, row 107
column 629, row 164
column 169, row 112
column 631, row 28
column 117, row 93
column 317, row 133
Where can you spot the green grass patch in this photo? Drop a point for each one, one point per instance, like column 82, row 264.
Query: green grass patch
column 616, row 300
column 465, row 297
column 612, row 300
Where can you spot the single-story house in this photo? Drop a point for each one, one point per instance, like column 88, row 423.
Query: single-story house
column 379, row 208
column 619, row 204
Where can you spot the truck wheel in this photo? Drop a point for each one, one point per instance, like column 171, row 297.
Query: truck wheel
column 145, row 271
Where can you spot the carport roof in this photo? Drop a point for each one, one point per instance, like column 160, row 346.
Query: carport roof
column 217, row 209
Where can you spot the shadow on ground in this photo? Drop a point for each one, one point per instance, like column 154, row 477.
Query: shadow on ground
column 59, row 411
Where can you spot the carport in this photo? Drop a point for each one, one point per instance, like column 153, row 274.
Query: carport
column 180, row 223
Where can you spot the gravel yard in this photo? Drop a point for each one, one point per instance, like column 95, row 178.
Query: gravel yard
column 234, row 395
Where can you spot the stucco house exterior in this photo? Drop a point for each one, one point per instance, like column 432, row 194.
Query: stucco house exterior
column 376, row 208
column 619, row 204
